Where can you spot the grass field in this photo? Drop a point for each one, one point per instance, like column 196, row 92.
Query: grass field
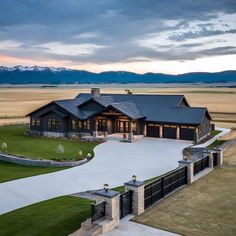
column 57, row 217
column 42, row 148
column 10, row 171
column 206, row 208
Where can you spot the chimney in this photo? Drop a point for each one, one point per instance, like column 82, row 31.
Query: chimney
column 95, row 92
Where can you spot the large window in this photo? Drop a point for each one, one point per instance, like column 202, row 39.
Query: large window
column 74, row 124
column 101, row 125
column 54, row 124
column 82, row 124
column 35, row 122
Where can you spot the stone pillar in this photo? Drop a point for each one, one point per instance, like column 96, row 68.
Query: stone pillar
column 219, row 156
column 138, row 196
column 112, row 207
column 209, row 153
column 178, row 132
column 189, row 164
column 161, row 131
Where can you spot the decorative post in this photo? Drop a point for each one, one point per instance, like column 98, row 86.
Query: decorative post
column 138, row 195
column 112, row 208
column 189, row 164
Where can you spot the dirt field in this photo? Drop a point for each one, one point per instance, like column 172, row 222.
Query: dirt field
column 20, row 101
column 199, row 209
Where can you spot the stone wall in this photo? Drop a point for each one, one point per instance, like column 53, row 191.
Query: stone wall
column 47, row 163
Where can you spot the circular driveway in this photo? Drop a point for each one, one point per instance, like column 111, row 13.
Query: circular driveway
column 114, row 163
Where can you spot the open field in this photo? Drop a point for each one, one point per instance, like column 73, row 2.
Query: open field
column 60, row 216
column 20, row 101
column 207, row 207
column 40, row 147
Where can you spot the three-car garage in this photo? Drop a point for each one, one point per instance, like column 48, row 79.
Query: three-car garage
column 170, row 131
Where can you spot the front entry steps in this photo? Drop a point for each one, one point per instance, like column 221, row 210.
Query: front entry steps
column 96, row 228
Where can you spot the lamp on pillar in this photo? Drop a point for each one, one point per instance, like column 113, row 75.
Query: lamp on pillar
column 134, row 178
column 106, row 187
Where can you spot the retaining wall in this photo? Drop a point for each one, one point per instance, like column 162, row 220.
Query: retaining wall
column 46, row 163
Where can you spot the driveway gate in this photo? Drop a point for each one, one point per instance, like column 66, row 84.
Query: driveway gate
column 126, row 203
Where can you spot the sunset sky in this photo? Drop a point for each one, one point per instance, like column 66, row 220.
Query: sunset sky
column 133, row 35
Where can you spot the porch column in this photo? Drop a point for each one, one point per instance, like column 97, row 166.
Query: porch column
column 130, row 134
column 95, row 132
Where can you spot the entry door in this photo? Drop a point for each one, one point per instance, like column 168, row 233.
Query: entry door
column 122, row 126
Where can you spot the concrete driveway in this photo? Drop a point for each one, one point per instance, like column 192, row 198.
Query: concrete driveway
column 114, row 163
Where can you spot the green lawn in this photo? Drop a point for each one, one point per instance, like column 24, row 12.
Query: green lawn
column 216, row 143
column 10, row 171
column 42, row 148
column 215, row 132
column 57, row 217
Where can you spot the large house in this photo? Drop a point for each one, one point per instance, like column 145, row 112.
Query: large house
column 160, row 116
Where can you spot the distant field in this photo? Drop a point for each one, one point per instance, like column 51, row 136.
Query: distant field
column 20, row 101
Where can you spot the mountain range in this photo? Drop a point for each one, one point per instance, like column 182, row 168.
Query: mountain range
column 61, row 75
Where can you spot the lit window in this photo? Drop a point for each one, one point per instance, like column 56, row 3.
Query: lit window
column 35, row 122
column 53, row 124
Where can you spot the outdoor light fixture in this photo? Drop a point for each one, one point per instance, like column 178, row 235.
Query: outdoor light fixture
column 134, row 178
column 106, row 187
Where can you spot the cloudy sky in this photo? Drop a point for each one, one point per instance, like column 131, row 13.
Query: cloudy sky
column 170, row 36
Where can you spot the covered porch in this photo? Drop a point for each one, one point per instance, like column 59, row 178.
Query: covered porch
column 116, row 123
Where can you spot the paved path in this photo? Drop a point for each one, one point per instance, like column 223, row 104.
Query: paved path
column 128, row 228
column 224, row 131
column 114, row 163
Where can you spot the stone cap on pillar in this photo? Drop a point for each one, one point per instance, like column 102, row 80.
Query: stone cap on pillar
column 186, row 161
column 107, row 193
column 135, row 183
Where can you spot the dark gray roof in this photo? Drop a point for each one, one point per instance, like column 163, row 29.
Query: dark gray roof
column 130, row 108
column 156, row 108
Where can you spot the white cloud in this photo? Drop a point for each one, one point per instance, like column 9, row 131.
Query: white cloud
column 70, row 49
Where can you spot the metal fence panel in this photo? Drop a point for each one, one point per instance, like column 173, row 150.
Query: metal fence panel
column 97, row 211
column 166, row 184
column 200, row 165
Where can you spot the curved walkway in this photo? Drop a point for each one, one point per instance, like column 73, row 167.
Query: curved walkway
column 114, row 163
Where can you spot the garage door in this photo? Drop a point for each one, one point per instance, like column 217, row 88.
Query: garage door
column 153, row 130
column 187, row 133
column 169, row 132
